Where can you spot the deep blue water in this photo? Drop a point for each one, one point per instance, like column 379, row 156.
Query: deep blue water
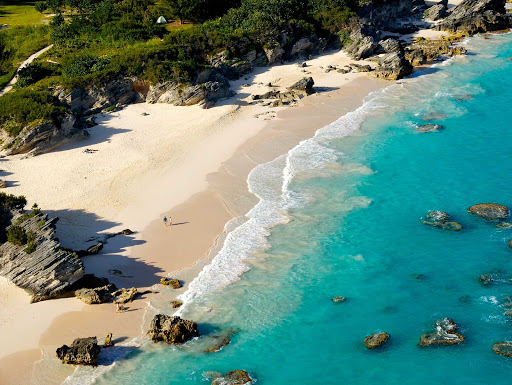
column 352, row 198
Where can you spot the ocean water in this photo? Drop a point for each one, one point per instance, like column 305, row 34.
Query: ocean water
column 340, row 215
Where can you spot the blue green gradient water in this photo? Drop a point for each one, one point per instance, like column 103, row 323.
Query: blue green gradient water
column 352, row 198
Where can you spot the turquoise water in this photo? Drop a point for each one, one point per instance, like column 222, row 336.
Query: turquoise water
column 345, row 208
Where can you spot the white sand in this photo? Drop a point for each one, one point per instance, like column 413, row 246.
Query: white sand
column 144, row 166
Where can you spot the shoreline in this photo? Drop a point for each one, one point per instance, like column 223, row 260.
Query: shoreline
column 205, row 213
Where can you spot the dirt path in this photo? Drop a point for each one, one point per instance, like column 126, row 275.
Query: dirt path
column 13, row 81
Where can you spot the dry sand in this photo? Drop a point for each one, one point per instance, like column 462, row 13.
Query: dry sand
column 184, row 162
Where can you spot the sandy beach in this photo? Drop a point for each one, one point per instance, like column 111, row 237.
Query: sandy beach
column 152, row 161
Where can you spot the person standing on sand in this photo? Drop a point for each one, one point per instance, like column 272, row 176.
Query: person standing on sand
column 170, row 221
column 165, row 221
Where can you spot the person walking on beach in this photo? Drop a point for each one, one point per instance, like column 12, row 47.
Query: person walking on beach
column 165, row 221
column 170, row 221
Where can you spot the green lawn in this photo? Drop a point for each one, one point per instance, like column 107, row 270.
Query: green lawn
column 19, row 12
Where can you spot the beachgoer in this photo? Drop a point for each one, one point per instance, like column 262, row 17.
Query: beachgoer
column 118, row 308
column 170, row 221
column 165, row 221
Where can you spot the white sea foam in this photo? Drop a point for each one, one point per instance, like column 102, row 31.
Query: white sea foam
column 270, row 182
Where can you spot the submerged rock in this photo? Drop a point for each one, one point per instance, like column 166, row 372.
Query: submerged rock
column 376, row 340
column 434, row 116
column 172, row 282
column 172, row 329
column 339, row 299
column 485, row 279
column 219, row 341
column 83, row 351
column 504, row 225
column 444, row 334
column 429, row 127
column 503, row 348
column 489, row 211
column 440, row 219
column 235, row 377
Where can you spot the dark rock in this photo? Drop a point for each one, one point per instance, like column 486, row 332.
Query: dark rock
column 392, row 66
column 126, row 232
column 504, row 225
column 339, row 299
column 463, row 98
column 485, row 279
column 389, row 46
column 364, row 68
column 83, row 351
column 362, row 46
column 376, row 340
column 503, row 348
column 3, row 183
column 96, row 295
column 235, row 377
column 172, row 330
column 476, row 16
column 441, row 220
column 304, row 85
column 489, row 211
column 429, row 127
column 510, row 243
column 176, row 304
column 95, row 249
column 444, row 334
column 174, row 283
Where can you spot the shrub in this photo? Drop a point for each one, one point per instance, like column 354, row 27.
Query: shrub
column 84, row 65
column 9, row 201
column 31, row 74
column 16, row 235
column 31, row 243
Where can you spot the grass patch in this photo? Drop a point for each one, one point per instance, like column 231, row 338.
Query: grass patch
column 14, row 13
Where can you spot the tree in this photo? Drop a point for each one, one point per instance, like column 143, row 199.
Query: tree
column 182, row 9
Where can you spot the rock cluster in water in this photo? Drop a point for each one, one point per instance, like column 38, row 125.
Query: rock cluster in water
column 503, row 348
column 83, row 351
column 441, row 220
column 219, row 341
column 172, row 282
column 429, row 127
column 235, row 377
column 445, row 333
column 376, row 340
column 172, row 329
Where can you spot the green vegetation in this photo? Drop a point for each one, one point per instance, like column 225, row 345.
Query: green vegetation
column 19, row 12
column 31, row 243
column 9, row 201
column 16, row 235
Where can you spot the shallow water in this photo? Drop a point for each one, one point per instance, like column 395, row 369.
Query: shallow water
column 340, row 215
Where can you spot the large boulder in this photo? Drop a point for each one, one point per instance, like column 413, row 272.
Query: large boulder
column 172, row 329
column 97, row 295
column 389, row 46
column 83, row 351
column 304, row 85
column 503, row 348
column 444, row 334
column 125, row 295
column 393, row 66
column 476, row 16
column 273, row 52
column 489, row 211
column 376, row 340
column 235, row 377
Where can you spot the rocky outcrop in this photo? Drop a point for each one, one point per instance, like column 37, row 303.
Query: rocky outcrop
column 444, row 334
column 441, row 220
column 235, row 377
column 204, row 94
column 43, row 137
column 503, row 348
column 47, row 271
column 339, row 299
column 436, row 12
column 376, row 340
column 83, row 351
column 97, row 295
column 392, row 66
column 489, row 211
column 476, row 16
column 426, row 50
column 172, row 330
column 273, row 52
column 172, row 282
column 124, row 295
column 95, row 98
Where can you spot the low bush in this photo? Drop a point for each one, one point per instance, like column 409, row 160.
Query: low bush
column 16, row 235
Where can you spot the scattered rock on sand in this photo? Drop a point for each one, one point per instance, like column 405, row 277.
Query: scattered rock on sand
column 235, row 377
column 339, row 299
column 3, row 183
column 444, row 334
column 125, row 295
column 95, row 249
column 376, row 340
column 503, row 348
column 176, row 304
column 429, row 127
column 172, row 329
column 96, row 295
column 83, row 351
column 440, row 219
column 108, row 341
column 172, row 282
column 489, row 211
column 304, row 85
